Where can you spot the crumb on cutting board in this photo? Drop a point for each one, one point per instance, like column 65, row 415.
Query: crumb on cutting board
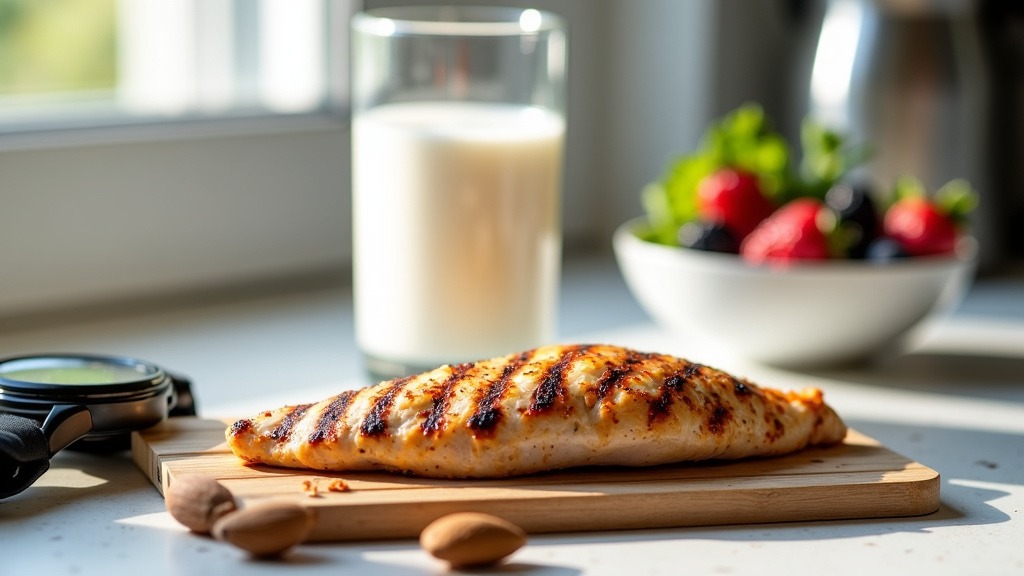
column 312, row 487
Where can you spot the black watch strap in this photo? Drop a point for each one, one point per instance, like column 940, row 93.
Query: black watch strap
column 24, row 453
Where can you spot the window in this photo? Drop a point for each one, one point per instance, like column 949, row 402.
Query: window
column 70, row 63
column 148, row 146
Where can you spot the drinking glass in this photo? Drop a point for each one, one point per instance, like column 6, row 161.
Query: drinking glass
column 457, row 144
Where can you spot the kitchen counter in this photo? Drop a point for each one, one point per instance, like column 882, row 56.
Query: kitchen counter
column 954, row 402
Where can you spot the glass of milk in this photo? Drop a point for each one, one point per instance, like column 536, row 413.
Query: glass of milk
column 457, row 144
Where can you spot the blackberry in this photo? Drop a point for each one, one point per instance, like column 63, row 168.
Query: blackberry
column 885, row 249
column 858, row 216
column 709, row 236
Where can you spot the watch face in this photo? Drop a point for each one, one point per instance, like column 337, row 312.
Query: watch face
column 113, row 387
column 72, row 371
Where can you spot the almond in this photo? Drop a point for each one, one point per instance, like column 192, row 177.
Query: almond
column 198, row 501
column 471, row 539
column 265, row 529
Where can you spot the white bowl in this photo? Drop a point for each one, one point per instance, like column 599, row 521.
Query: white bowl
column 813, row 313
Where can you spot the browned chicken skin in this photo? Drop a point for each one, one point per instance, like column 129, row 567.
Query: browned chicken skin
column 544, row 409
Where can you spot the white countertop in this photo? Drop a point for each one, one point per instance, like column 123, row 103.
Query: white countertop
column 955, row 404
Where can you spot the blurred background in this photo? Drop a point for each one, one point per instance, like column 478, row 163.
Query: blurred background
column 149, row 147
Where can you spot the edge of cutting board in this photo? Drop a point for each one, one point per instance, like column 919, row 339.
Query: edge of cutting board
column 857, row 479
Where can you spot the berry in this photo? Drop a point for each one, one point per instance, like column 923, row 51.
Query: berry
column 857, row 214
column 710, row 236
column 796, row 231
column 885, row 249
column 734, row 199
column 920, row 227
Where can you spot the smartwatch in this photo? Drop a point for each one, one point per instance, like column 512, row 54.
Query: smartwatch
column 81, row 402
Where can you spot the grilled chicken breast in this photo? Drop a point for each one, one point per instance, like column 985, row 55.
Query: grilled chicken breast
column 544, row 409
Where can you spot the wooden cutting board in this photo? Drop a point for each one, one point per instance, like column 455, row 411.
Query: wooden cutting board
column 858, row 479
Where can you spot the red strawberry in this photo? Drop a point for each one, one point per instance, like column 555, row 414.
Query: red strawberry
column 799, row 230
column 732, row 198
column 920, row 227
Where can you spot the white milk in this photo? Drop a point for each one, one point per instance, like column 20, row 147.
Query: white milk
column 457, row 242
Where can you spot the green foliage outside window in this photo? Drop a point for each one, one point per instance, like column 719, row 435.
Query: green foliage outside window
column 54, row 46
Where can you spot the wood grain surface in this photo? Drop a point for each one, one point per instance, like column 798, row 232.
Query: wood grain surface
column 857, row 479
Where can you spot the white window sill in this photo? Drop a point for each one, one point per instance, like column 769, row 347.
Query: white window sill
column 113, row 130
